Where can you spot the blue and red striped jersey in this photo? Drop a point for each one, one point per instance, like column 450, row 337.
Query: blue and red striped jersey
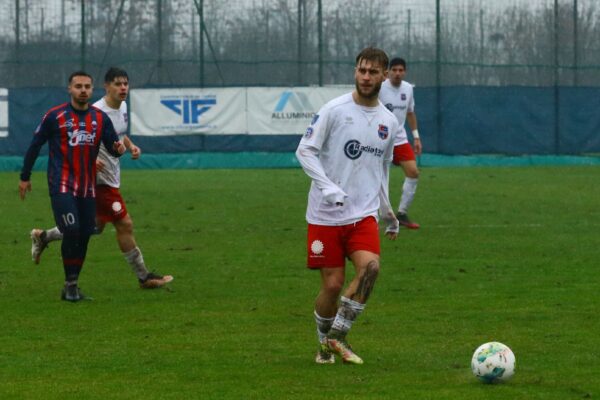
column 73, row 138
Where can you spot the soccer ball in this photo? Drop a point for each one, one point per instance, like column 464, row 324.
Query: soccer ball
column 493, row 362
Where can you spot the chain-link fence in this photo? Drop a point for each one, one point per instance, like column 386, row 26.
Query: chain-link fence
column 300, row 42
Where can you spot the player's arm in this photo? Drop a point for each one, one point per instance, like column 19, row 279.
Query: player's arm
column 386, row 212
column 135, row 151
column 110, row 139
column 411, row 118
column 40, row 137
column 308, row 156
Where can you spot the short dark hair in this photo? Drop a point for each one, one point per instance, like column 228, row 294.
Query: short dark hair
column 115, row 72
column 79, row 73
column 398, row 61
column 374, row 55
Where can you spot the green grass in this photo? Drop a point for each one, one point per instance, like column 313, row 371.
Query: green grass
column 506, row 254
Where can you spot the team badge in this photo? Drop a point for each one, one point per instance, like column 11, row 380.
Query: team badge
column 317, row 247
column 383, row 131
column 403, row 96
column 309, row 132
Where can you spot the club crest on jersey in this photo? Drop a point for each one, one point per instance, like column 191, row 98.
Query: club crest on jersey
column 383, row 131
column 309, row 132
column 403, row 96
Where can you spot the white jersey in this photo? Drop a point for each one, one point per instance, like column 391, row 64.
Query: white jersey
column 399, row 100
column 347, row 151
column 111, row 173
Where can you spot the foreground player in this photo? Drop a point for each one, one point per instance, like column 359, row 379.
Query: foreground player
column 397, row 95
column 73, row 131
column 110, row 206
column 347, row 151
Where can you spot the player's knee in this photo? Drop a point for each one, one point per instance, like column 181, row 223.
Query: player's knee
column 412, row 172
column 71, row 231
column 124, row 226
column 333, row 286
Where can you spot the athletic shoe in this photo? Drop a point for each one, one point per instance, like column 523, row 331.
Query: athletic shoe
column 72, row 293
column 154, row 281
column 324, row 355
column 37, row 245
column 343, row 349
column 405, row 221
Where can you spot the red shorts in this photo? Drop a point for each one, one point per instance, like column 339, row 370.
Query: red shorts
column 403, row 152
column 110, row 206
column 328, row 246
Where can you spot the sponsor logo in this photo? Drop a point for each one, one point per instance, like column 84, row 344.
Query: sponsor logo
column 294, row 106
column 189, row 107
column 81, row 137
column 392, row 107
column 353, row 150
column 383, row 131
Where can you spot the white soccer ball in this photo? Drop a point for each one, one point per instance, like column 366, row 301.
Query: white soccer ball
column 493, row 362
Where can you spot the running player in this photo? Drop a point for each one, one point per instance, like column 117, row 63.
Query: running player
column 347, row 151
column 110, row 206
column 397, row 95
column 73, row 131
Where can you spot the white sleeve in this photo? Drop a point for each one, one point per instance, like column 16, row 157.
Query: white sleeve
column 386, row 212
column 308, row 156
column 411, row 102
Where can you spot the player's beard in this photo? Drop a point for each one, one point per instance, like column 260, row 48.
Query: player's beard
column 371, row 94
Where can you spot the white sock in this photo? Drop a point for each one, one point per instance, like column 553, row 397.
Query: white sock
column 347, row 313
column 408, row 194
column 323, row 326
column 53, row 234
column 136, row 260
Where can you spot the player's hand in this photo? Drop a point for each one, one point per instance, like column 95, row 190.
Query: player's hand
column 24, row 187
column 335, row 196
column 418, row 146
column 135, row 151
column 393, row 226
column 99, row 165
column 119, row 147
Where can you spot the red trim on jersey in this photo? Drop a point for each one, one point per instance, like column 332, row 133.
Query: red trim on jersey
column 76, row 157
column 64, row 151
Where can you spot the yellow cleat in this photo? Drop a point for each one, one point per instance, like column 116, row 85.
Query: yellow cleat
column 343, row 349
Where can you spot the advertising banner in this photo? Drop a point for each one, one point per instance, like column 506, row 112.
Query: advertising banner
column 169, row 112
column 287, row 111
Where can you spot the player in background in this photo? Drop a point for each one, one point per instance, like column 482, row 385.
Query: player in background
column 73, row 131
column 347, row 151
column 397, row 95
column 110, row 206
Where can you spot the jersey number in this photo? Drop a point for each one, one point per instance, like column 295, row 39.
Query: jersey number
column 68, row 219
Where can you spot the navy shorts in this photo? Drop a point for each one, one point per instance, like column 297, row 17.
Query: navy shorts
column 75, row 215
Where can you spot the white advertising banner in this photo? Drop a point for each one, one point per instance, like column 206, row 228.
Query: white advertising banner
column 3, row 112
column 168, row 112
column 287, row 110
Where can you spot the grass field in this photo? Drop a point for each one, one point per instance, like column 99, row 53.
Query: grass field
column 506, row 254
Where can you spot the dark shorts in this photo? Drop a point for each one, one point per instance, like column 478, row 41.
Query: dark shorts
column 329, row 246
column 75, row 215
column 110, row 206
